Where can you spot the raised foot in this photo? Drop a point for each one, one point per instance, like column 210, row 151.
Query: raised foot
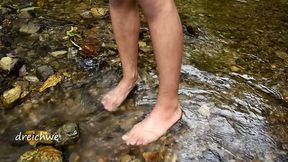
column 114, row 98
column 153, row 126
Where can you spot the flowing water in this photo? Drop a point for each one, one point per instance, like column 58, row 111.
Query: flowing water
column 233, row 87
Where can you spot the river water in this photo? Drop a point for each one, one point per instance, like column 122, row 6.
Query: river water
column 233, row 87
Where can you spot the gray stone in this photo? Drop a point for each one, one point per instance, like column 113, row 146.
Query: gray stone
column 43, row 72
column 29, row 28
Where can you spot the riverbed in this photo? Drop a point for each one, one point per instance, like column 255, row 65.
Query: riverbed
column 233, row 90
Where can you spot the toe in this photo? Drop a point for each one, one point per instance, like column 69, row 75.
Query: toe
column 131, row 133
column 127, row 136
column 131, row 139
column 139, row 141
column 132, row 136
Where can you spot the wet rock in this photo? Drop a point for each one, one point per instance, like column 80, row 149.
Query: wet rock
column 27, row 9
column 29, row 28
column 72, row 52
column 60, row 53
column 43, row 154
column 43, row 72
column 69, row 134
column 55, row 64
column 170, row 157
column 22, row 71
column 87, row 14
column 40, row 133
column 128, row 158
column 242, row 1
column 281, row 54
column 144, row 47
column 150, row 156
column 11, row 95
column 204, row 110
column 235, row 68
column 50, row 82
column 89, row 49
column 31, row 79
column 92, row 64
column 273, row 66
column 24, row 94
column 142, row 44
column 98, row 12
column 6, row 63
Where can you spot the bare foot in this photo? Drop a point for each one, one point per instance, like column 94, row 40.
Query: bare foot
column 114, row 98
column 153, row 126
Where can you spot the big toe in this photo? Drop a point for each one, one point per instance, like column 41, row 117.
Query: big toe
column 128, row 135
column 125, row 137
column 130, row 138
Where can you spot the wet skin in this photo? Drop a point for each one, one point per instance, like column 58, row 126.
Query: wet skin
column 167, row 38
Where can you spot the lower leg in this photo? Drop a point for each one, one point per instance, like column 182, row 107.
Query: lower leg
column 125, row 23
column 167, row 38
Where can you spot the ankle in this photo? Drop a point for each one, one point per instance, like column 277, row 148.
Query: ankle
column 131, row 78
column 170, row 106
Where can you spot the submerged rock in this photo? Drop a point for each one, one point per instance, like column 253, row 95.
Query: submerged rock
column 281, row 54
column 50, row 82
column 98, row 12
column 42, row 154
column 60, row 53
column 128, row 158
column 11, row 95
column 89, row 49
column 43, row 72
column 29, row 28
column 92, row 64
column 6, row 63
column 31, row 78
column 69, row 134
column 150, row 156
column 39, row 133
column 86, row 14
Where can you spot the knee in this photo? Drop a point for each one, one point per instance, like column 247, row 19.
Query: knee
column 152, row 8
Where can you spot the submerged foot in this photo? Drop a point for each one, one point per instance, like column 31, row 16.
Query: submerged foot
column 153, row 126
column 114, row 98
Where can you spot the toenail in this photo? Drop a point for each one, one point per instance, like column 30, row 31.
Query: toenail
column 125, row 137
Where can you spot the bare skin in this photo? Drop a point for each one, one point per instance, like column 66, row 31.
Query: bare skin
column 167, row 38
column 125, row 23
